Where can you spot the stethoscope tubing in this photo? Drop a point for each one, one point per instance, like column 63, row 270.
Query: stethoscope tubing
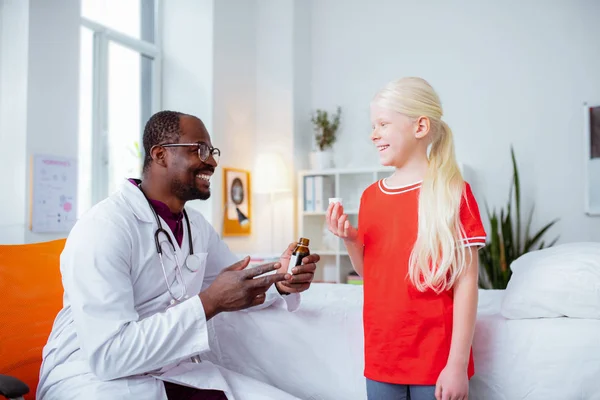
column 160, row 230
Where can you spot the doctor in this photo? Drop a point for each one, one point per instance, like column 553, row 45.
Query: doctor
column 143, row 277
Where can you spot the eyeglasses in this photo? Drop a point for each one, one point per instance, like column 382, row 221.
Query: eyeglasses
column 204, row 150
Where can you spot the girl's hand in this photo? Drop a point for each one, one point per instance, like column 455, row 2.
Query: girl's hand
column 452, row 384
column 338, row 223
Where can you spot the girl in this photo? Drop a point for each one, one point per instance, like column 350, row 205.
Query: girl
column 416, row 247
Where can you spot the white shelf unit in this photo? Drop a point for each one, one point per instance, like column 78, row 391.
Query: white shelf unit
column 349, row 184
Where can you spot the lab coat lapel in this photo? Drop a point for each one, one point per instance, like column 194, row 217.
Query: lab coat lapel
column 134, row 197
column 143, row 211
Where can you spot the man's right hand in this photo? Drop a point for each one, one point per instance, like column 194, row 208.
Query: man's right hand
column 237, row 288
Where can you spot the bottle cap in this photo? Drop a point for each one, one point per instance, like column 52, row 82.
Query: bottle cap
column 304, row 241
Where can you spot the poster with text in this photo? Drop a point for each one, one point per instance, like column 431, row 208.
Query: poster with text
column 54, row 194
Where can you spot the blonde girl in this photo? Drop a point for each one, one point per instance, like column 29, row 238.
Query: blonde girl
column 416, row 247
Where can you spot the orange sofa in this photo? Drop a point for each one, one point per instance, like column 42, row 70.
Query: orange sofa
column 32, row 293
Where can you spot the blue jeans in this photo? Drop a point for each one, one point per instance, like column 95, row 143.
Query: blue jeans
column 389, row 391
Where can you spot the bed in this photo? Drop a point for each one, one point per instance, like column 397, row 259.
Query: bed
column 315, row 353
column 534, row 358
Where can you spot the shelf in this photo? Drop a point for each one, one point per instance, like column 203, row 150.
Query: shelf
column 330, row 252
column 347, row 183
column 323, row 213
column 325, row 252
column 313, row 213
column 345, row 171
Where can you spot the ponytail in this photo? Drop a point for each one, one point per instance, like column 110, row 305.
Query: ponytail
column 438, row 257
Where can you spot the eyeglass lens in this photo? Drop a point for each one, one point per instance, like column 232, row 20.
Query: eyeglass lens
column 204, row 151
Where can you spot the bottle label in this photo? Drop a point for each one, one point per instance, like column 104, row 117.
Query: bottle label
column 293, row 262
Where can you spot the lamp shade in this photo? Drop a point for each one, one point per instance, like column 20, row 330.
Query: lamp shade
column 271, row 174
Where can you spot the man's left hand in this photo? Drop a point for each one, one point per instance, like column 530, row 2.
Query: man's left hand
column 302, row 275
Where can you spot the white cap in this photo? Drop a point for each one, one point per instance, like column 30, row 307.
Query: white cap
column 336, row 200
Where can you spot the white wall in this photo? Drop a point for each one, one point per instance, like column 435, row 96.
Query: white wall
column 246, row 80
column 218, row 82
column 38, row 102
column 13, row 118
column 53, row 85
column 302, row 76
column 508, row 73
column 269, row 59
column 254, row 109
column 187, row 67
column 235, row 103
column 275, row 118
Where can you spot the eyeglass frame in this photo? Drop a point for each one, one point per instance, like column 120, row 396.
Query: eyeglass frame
column 211, row 150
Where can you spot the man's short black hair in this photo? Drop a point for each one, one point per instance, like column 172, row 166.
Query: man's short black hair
column 162, row 127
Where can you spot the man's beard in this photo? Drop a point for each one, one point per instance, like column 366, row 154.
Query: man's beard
column 188, row 192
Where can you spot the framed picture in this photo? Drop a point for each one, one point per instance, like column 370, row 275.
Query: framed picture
column 592, row 159
column 237, row 196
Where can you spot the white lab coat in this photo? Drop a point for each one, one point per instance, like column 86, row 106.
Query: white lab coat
column 114, row 337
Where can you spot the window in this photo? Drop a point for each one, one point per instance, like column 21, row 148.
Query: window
column 122, row 16
column 119, row 91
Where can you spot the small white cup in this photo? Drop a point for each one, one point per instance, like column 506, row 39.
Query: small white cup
column 336, row 200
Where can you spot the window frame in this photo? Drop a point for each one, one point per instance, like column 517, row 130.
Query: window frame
column 102, row 36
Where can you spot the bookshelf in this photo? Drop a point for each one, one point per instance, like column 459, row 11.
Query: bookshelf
column 315, row 187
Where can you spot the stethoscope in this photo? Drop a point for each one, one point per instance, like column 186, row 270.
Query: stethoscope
column 192, row 261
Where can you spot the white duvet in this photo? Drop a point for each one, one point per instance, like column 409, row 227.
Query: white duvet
column 544, row 358
column 316, row 352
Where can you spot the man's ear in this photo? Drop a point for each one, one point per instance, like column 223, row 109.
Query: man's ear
column 422, row 127
column 158, row 154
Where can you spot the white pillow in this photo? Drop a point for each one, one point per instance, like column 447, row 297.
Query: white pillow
column 559, row 281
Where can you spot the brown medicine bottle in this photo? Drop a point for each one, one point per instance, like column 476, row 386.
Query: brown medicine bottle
column 300, row 251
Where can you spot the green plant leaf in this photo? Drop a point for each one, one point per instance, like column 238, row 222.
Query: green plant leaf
column 517, row 198
column 325, row 129
column 507, row 240
column 529, row 219
column 531, row 242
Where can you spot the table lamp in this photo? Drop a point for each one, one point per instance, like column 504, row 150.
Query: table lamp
column 271, row 177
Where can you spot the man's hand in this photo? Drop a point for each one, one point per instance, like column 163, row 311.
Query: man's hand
column 302, row 275
column 236, row 288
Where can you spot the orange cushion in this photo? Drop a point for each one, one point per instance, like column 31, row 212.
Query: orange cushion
column 31, row 288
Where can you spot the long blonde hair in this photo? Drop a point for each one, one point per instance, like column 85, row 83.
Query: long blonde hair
column 438, row 255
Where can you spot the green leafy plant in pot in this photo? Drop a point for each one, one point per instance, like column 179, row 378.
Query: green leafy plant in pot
column 507, row 238
column 325, row 136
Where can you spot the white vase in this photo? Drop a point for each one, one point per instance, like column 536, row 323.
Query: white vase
column 321, row 159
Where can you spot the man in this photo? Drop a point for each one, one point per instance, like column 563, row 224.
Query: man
column 136, row 323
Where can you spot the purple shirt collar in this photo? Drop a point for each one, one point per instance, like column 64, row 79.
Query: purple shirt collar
column 173, row 220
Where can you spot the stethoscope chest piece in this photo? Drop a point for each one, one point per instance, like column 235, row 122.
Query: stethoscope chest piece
column 193, row 263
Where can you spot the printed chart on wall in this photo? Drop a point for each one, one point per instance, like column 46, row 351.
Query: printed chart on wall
column 53, row 194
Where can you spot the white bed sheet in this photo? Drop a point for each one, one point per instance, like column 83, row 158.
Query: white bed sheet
column 316, row 353
column 547, row 358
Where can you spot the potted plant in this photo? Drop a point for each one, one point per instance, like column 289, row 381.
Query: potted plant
column 507, row 238
column 325, row 136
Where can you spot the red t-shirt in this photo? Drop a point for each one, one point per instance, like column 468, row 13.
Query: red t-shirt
column 407, row 332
